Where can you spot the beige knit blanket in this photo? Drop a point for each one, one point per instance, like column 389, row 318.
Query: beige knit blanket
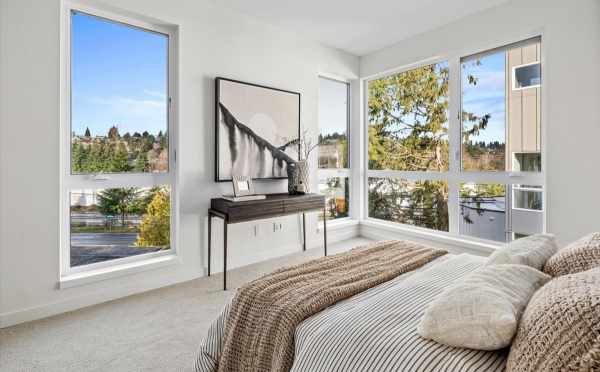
column 259, row 332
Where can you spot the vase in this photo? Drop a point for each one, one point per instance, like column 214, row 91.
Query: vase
column 292, row 172
column 303, row 172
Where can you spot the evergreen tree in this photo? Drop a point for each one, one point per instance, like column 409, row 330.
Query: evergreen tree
column 113, row 133
column 87, row 132
column 119, row 159
column 141, row 162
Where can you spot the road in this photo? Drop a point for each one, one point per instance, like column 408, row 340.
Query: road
column 89, row 248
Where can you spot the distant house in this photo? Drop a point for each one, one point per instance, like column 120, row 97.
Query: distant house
column 331, row 155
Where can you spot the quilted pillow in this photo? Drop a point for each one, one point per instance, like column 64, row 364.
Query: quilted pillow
column 482, row 311
column 560, row 328
column 581, row 255
column 532, row 251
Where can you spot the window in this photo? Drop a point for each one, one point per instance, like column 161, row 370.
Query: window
column 527, row 76
column 408, row 144
column 118, row 182
column 452, row 168
column 333, row 149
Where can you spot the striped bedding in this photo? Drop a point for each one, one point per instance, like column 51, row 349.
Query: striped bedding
column 376, row 329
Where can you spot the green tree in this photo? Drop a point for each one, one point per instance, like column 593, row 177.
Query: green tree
column 119, row 201
column 87, row 132
column 155, row 228
column 141, row 162
column 408, row 130
column 119, row 160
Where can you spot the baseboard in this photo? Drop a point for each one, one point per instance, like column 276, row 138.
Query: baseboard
column 59, row 307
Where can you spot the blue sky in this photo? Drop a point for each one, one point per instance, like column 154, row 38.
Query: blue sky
column 118, row 77
column 488, row 96
column 333, row 109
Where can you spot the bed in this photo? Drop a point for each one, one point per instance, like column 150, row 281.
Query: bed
column 375, row 330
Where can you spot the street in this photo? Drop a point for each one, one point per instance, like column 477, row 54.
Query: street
column 87, row 248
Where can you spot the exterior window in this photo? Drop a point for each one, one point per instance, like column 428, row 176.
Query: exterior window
column 452, row 168
column 408, row 120
column 527, row 76
column 337, row 194
column 333, row 149
column 408, row 144
column 417, row 203
column 527, row 162
column 119, row 178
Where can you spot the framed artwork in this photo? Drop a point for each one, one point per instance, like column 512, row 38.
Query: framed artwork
column 242, row 185
column 256, row 130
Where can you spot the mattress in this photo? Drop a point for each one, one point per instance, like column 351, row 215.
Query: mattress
column 376, row 329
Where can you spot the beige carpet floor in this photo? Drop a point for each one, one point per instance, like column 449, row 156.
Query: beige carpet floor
column 154, row 331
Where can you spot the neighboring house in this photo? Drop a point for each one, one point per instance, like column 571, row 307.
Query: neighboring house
column 84, row 198
column 330, row 155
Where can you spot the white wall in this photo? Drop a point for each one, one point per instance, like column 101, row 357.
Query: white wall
column 213, row 42
column 571, row 94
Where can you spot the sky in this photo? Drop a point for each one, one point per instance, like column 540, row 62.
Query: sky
column 488, row 96
column 118, row 77
column 333, row 106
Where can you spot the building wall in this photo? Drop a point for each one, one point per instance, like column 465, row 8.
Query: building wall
column 523, row 107
column 571, row 92
column 213, row 42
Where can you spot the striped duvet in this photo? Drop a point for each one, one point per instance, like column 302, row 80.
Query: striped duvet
column 376, row 330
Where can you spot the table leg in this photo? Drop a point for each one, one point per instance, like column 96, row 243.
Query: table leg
column 224, row 255
column 209, row 239
column 325, row 229
column 304, row 231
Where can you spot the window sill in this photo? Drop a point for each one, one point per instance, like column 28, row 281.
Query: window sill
column 477, row 245
column 92, row 276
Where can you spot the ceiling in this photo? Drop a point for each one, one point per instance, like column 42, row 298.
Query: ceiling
column 359, row 26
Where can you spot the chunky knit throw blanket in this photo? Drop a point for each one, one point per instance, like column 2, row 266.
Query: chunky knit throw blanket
column 259, row 332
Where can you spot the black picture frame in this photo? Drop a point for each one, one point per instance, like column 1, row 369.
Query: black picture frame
column 218, row 80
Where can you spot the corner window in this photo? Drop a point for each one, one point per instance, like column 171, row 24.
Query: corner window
column 333, row 148
column 118, row 182
column 452, row 168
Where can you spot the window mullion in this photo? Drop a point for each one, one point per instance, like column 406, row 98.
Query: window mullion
column 454, row 143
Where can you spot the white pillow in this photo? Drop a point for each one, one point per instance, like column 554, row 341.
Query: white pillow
column 532, row 251
column 483, row 310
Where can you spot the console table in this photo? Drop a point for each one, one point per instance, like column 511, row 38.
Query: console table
column 273, row 206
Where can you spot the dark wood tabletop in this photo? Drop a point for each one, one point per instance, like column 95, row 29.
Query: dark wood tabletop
column 274, row 205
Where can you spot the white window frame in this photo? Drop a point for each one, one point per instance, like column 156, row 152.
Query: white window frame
column 516, row 188
column 514, row 76
column 70, row 181
column 323, row 173
column 455, row 175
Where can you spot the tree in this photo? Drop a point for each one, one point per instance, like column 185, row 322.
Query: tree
column 113, row 133
column 155, row 228
column 87, row 132
column 119, row 159
column 118, row 201
column 408, row 131
column 141, row 162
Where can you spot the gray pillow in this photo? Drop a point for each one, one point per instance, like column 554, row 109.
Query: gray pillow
column 532, row 251
column 482, row 311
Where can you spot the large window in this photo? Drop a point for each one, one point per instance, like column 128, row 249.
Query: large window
column 463, row 168
column 118, row 182
column 333, row 150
